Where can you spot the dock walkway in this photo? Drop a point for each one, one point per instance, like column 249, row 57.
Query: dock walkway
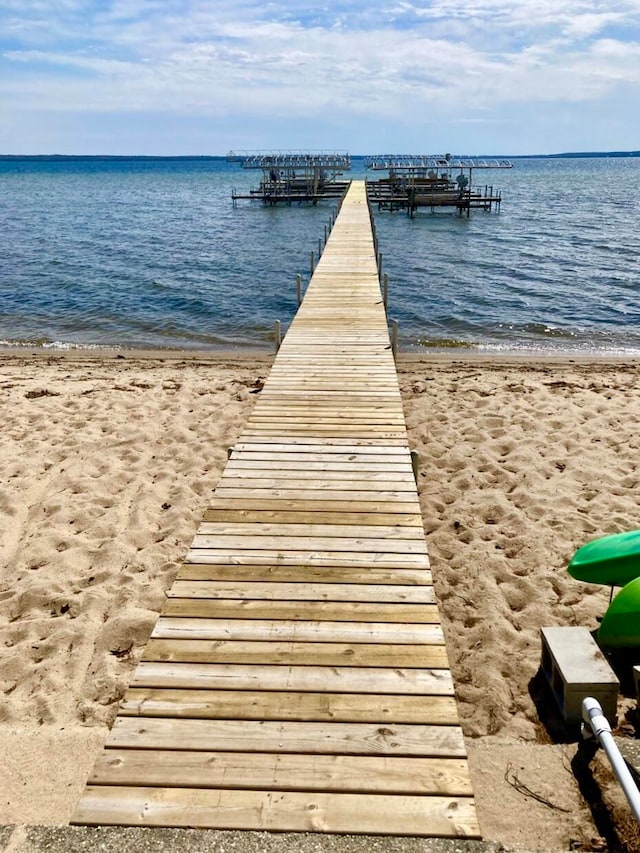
column 297, row 678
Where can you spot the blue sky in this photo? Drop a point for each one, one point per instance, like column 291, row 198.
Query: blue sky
column 372, row 76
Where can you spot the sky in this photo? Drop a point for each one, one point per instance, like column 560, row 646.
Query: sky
column 181, row 77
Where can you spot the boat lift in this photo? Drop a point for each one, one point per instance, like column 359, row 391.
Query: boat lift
column 433, row 181
column 295, row 176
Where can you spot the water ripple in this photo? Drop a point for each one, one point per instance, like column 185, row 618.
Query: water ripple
column 153, row 254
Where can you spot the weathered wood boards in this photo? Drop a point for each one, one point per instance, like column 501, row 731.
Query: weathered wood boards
column 297, row 678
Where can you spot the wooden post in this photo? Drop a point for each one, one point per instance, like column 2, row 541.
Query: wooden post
column 325, row 235
column 319, row 247
column 313, row 263
column 385, row 291
column 394, row 337
column 379, row 263
column 299, row 288
column 277, row 334
column 415, row 464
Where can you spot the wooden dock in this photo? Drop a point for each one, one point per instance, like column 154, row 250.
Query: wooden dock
column 297, row 678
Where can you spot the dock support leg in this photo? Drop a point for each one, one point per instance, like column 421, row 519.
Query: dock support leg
column 415, row 464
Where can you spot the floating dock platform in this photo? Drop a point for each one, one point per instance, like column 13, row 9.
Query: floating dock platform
column 432, row 181
column 289, row 177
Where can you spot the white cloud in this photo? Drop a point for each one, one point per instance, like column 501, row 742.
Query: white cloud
column 389, row 60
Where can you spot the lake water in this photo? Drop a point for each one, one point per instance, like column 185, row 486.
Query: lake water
column 141, row 253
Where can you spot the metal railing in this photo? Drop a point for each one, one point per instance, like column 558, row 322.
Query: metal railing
column 593, row 715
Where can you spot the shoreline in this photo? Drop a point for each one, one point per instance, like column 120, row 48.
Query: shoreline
column 261, row 356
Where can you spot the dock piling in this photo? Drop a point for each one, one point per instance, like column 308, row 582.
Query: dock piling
column 385, row 291
column 299, row 289
column 415, row 464
column 277, row 334
column 313, row 263
column 394, row 337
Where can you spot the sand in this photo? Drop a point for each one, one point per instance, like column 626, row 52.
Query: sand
column 106, row 464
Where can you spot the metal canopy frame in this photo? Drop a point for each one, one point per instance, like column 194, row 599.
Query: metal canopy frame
column 414, row 162
column 293, row 159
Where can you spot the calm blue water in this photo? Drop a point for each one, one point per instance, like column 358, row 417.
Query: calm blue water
column 153, row 254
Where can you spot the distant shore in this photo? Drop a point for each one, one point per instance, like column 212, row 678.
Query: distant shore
column 54, row 157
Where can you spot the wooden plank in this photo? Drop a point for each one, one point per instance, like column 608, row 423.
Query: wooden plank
column 287, row 737
column 407, row 508
column 316, row 544
column 383, row 593
column 266, row 629
column 329, row 471
column 346, row 465
column 317, row 420
column 250, row 770
column 320, row 417
column 272, row 403
column 260, row 556
column 273, row 515
column 334, row 611
column 224, row 704
column 282, row 811
column 303, row 679
column 314, row 531
column 301, row 495
column 379, row 462
column 303, row 574
column 352, row 432
column 370, row 445
column 287, row 652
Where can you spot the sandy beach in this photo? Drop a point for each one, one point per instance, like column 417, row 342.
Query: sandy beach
column 106, row 464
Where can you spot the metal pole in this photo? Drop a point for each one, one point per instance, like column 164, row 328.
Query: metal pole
column 299, row 288
column 593, row 714
column 277, row 334
column 394, row 337
column 385, row 290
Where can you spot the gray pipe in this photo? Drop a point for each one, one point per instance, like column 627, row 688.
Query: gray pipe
column 593, row 714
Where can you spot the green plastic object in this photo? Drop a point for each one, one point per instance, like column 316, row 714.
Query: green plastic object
column 613, row 560
column 620, row 627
